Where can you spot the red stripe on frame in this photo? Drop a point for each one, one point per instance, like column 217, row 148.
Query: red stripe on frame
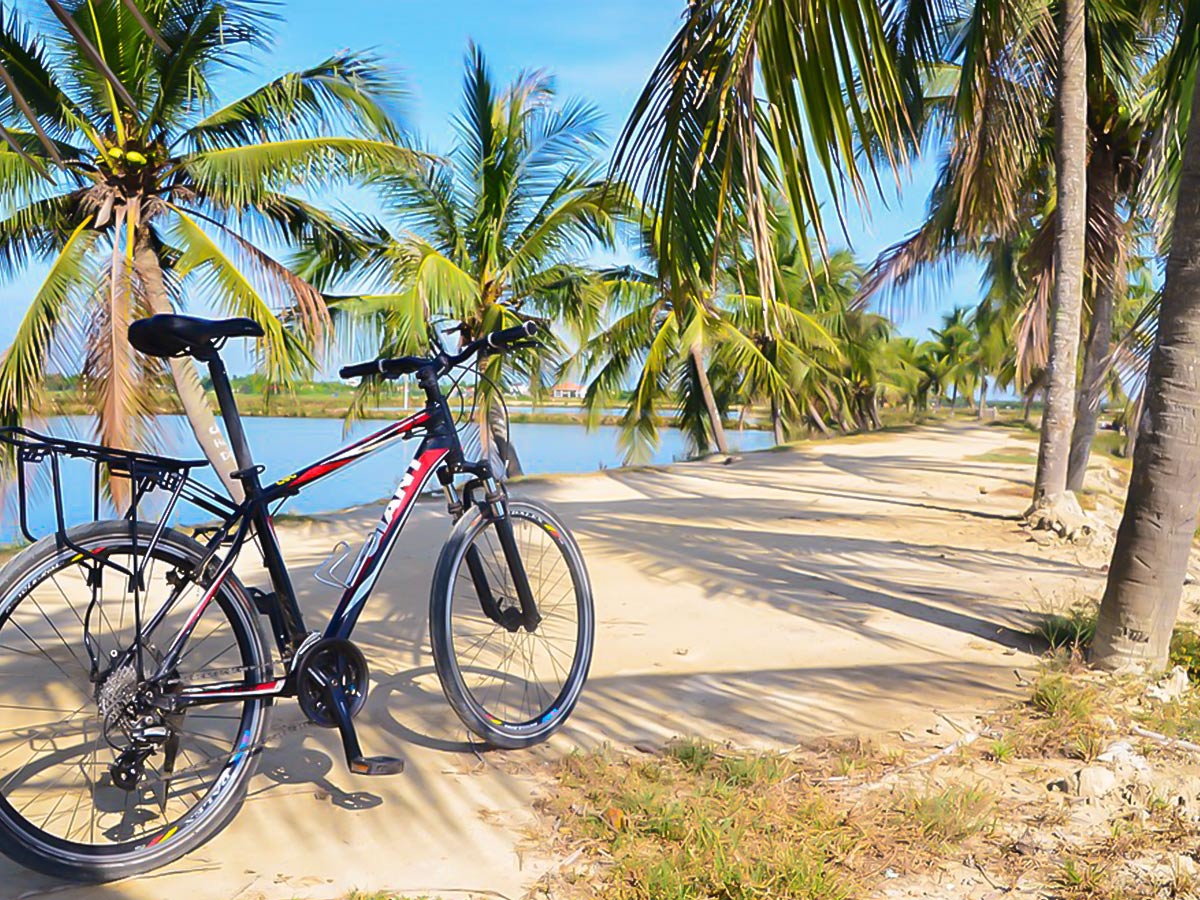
column 346, row 455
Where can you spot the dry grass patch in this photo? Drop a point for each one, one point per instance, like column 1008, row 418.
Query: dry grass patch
column 700, row 821
column 1013, row 456
column 841, row 819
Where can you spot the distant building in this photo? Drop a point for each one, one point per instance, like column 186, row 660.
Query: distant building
column 568, row 390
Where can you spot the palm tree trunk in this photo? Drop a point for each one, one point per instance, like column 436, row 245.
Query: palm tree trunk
column 710, row 402
column 187, row 381
column 818, row 419
column 1102, row 190
column 1091, row 387
column 983, row 386
column 1149, row 563
column 1066, row 306
column 873, row 410
column 777, row 422
column 954, row 397
column 1133, row 422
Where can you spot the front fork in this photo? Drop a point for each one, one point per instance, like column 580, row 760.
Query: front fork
column 495, row 509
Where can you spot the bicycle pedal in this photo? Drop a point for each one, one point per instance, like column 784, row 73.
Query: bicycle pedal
column 376, row 765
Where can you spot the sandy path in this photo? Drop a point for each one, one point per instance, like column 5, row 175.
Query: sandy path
column 855, row 585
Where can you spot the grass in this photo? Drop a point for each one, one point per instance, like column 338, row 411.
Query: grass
column 1013, row 456
column 1110, row 444
column 841, row 818
column 1079, row 879
column 698, row 821
column 695, row 824
column 1073, row 631
column 950, row 815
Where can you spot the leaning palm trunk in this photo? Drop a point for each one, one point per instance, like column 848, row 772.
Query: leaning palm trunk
column 1145, row 578
column 1091, row 387
column 983, row 389
column 872, row 404
column 777, row 422
column 187, row 381
column 1066, row 307
column 1102, row 186
column 818, row 419
column 710, row 402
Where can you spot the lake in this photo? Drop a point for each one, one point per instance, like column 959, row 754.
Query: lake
column 285, row 444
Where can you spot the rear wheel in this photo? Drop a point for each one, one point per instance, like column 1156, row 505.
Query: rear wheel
column 511, row 686
column 97, row 782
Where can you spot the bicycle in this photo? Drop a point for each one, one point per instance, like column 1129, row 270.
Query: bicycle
column 144, row 676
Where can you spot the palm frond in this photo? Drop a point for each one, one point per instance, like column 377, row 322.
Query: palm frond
column 22, row 370
column 238, row 177
column 283, row 353
column 354, row 92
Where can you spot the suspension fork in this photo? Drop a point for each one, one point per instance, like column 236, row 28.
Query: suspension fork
column 496, row 508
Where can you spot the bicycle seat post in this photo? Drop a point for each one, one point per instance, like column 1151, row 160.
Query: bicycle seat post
column 231, row 417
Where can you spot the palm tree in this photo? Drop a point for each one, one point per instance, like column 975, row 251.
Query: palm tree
column 121, row 171
column 1066, row 306
column 798, row 357
column 997, row 97
column 699, row 139
column 865, row 339
column 491, row 234
column 654, row 337
column 954, row 344
column 1154, row 541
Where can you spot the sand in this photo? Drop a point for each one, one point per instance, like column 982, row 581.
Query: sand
column 857, row 585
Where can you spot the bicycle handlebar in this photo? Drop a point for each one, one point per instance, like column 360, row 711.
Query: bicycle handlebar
column 407, row 365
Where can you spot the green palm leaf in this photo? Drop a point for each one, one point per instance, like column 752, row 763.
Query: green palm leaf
column 284, row 354
column 22, row 371
column 237, row 177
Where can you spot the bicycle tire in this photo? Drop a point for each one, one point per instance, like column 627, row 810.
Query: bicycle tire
column 478, row 712
column 64, row 857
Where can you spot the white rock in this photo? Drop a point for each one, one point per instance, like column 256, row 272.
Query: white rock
column 1122, row 754
column 1171, row 688
column 1094, row 781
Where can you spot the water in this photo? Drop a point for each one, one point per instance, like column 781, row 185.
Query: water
column 284, row 445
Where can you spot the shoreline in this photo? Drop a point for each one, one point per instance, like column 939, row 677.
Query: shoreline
column 254, row 408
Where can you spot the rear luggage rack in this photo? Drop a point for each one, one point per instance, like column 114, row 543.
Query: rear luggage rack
column 146, row 472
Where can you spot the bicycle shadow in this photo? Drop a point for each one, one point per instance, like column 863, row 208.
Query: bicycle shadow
column 288, row 766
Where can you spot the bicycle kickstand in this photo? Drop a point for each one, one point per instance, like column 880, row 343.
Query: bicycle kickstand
column 339, row 705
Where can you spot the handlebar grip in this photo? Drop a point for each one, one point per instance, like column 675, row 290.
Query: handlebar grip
column 359, row 369
column 401, row 365
column 497, row 339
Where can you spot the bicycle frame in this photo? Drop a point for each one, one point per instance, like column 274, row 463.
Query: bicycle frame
column 440, row 452
column 438, row 446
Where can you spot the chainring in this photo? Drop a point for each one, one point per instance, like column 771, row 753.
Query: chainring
column 324, row 661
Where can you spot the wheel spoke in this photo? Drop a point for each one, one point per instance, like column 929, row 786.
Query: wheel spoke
column 56, row 752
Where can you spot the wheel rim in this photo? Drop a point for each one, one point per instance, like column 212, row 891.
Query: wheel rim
column 519, row 681
column 61, row 734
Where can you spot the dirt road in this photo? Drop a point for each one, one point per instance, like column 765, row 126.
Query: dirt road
column 856, row 585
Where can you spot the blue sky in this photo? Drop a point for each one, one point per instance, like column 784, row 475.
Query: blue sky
column 602, row 51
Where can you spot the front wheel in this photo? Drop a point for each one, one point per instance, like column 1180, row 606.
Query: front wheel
column 511, row 680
